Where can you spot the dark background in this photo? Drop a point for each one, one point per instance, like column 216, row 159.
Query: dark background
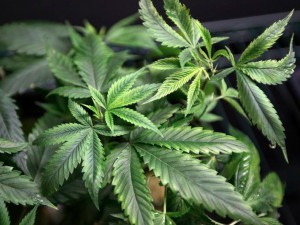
column 286, row 98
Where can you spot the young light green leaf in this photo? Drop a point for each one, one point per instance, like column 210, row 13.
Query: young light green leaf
column 166, row 64
column 194, row 140
column 193, row 93
column 185, row 56
column 93, row 163
column 29, row 219
column 174, row 82
column 79, row 113
column 134, row 95
column 180, row 15
column 109, row 120
column 71, row 92
column 131, row 188
column 106, row 131
column 206, row 37
column 135, row 118
column 271, row 71
column 4, row 216
column 265, row 41
column 222, row 74
column 122, row 85
column 97, row 97
column 196, row 183
column 261, row 111
column 62, row 67
column 8, row 146
column 160, row 30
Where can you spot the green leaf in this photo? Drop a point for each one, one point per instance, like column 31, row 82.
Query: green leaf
column 196, row 183
column 161, row 115
column 265, row 41
column 71, row 92
column 261, row 111
column 122, row 85
column 180, row 15
column 185, row 56
column 93, row 163
column 32, row 38
column 268, row 195
column 8, row 146
column 79, row 113
column 60, row 134
column 36, row 74
column 10, row 125
column 194, row 140
column 247, row 173
column 17, row 188
column 118, row 130
column 134, row 95
column 174, row 82
column 131, row 188
column 236, row 105
column 29, row 219
column 110, row 161
column 159, row 29
column 109, row 120
column 271, row 71
column 65, row 160
column 270, row 221
column 62, row 67
column 91, row 59
column 4, row 216
column 97, row 97
column 206, row 37
column 193, row 93
column 223, row 73
column 135, row 118
column 166, row 64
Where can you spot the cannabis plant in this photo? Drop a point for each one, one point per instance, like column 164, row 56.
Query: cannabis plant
column 135, row 102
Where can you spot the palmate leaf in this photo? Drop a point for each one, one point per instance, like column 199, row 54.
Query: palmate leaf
column 159, row 29
column 17, row 188
column 10, row 125
column 91, row 59
column 271, row 71
column 265, row 41
column 36, row 74
column 180, row 15
column 261, row 111
column 71, row 92
column 194, row 140
column 135, row 118
column 62, row 67
column 196, row 183
column 174, row 82
column 4, row 216
column 93, row 162
column 65, row 160
column 131, row 188
column 29, row 219
column 7, row 146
